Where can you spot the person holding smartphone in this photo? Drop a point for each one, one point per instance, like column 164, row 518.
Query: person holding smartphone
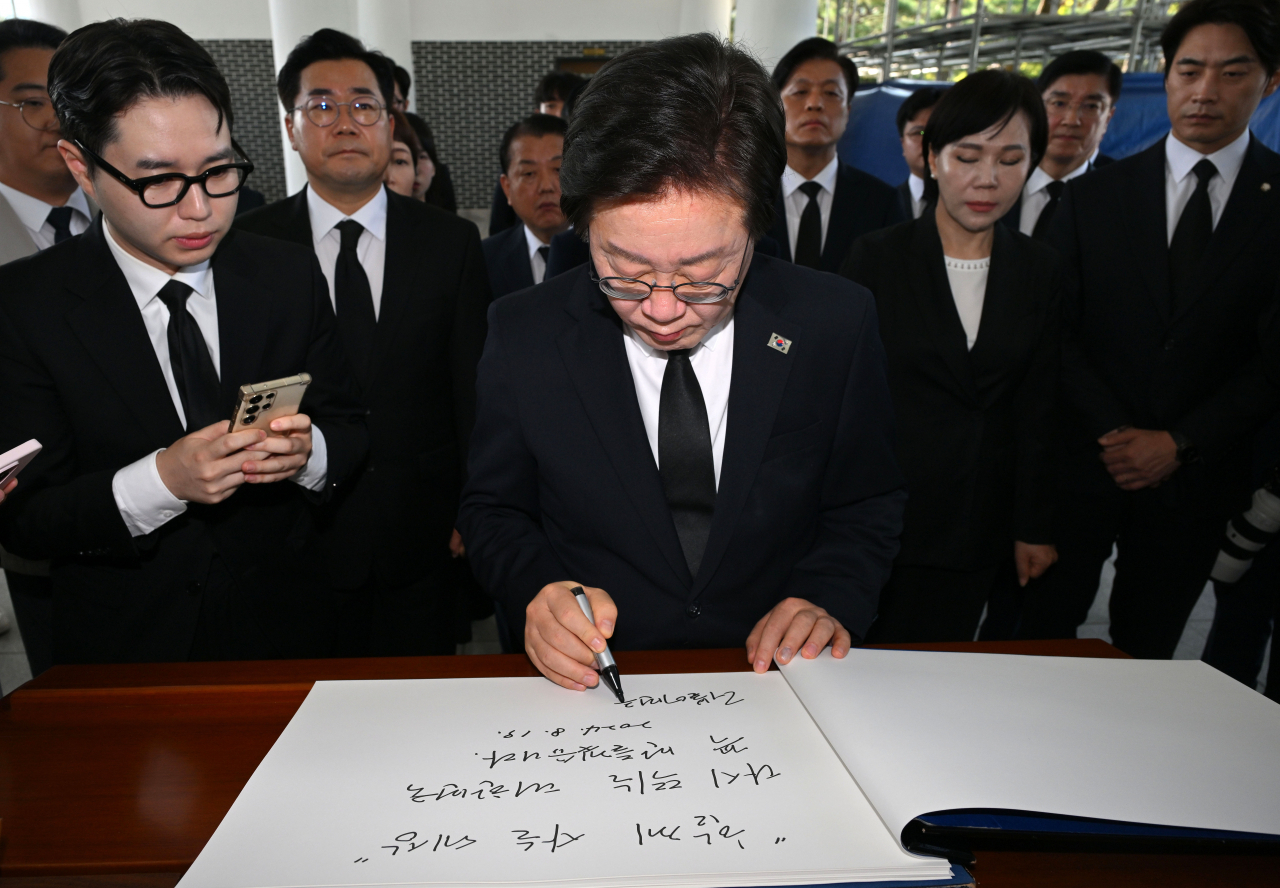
column 122, row 349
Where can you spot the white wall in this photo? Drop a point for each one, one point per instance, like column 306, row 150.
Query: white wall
column 220, row 20
column 770, row 27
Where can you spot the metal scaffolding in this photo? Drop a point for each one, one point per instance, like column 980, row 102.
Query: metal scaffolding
column 935, row 48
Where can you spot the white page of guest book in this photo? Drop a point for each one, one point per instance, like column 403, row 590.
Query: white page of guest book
column 1173, row 743
column 700, row 780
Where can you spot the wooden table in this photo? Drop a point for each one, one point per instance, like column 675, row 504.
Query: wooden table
column 116, row 776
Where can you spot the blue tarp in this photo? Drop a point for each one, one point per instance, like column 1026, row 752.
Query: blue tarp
column 871, row 141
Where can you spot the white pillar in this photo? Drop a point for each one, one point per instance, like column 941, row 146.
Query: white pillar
column 770, row 27
column 384, row 25
column 705, row 15
column 63, row 13
column 291, row 20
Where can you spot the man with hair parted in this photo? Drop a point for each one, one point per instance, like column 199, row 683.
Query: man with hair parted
column 122, row 351
column 698, row 435
column 1172, row 349
column 409, row 287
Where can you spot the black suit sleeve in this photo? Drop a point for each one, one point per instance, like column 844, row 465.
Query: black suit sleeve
column 57, row 510
column 1246, row 400
column 510, row 554
column 333, row 401
column 466, row 339
column 863, row 496
column 1083, row 388
column 1035, row 406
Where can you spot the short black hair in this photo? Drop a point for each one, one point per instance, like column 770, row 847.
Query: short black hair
column 403, row 80
column 1259, row 19
column 533, row 125
column 986, row 99
column 405, row 133
column 924, row 97
column 328, row 45
column 556, row 86
column 103, row 69
column 27, row 34
column 1082, row 61
column 808, row 50
column 693, row 113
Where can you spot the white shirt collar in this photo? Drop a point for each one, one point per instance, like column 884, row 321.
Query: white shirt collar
column 791, row 180
column 33, row 212
column 709, row 341
column 1181, row 158
column 531, row 241
column 1039, row 178
column 324, row 215
column 146, row 280
column 916, row 184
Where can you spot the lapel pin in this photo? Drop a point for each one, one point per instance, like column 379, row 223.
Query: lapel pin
column 779, row 343
column 1266, row 186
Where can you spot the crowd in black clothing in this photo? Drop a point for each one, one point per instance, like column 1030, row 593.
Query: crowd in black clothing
column 1038, row 355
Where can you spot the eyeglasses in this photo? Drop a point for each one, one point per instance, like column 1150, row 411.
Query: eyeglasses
column 914, row 133
column 696, row 292
column 324, row 112
column 168, row 189
column 36, row 113
column 1084, row 110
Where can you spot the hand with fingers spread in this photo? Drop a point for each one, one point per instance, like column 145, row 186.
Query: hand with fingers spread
column 206, row 466
column 795, row 625
column 560, row 640
column 283, row 455
column 1138, row 458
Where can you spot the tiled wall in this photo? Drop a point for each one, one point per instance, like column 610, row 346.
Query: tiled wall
column 250, row 71
column 470, row 92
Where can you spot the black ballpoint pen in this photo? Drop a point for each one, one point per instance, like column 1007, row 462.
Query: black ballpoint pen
column 604, row 660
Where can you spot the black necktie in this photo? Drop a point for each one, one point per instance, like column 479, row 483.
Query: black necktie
column 1055, row 194
column 1195, row 227
column 60, row 219
column 189, row 356
column 809, row 237
column 685, row 462
column 544, row 252
column 354, row 301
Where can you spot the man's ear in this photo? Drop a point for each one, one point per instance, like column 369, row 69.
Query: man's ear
column 288, row 129
column 1272, row 82
column 75, row 162
column 506, row 186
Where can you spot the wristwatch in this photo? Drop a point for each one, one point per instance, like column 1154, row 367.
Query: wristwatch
column 1187, row 452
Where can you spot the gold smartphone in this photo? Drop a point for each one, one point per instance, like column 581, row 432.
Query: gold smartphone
column 261, row 403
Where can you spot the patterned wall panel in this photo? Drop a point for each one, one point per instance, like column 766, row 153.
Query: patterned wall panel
column 470, row 92
column 250, row 70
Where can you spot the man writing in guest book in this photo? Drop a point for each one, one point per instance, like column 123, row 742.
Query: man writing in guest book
column 698, row 436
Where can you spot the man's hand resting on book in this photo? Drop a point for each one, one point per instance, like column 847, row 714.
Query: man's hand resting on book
column 795, row 625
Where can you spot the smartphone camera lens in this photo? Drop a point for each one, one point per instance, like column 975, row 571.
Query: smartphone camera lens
column 255, row 399
column 251, row 419
column 253, row 408
column 270, row 395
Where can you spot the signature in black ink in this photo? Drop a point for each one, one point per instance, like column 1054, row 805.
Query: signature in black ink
column 558, row 839
column 485, row 789
column 730, row 698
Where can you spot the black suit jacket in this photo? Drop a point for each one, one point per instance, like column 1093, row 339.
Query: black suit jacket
column 1013, row 218
column 506, row 255
column 860, row 204
column 975, row 428
column 395, row 521
column 905, row 201
column 563, row 484
column 1209, row 369
column 501, row 214
column 79, row 373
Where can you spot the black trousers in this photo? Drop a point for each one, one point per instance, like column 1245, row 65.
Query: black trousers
column 405, row 620
column 32, row 599
column 1165, row 555
column 921, row 604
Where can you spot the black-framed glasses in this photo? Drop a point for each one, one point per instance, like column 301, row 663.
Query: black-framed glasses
column 324, row 112
column 168, row 189
column 696, row 292
column 36, row 113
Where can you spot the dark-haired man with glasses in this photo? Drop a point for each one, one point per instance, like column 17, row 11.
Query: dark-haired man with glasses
column 122, row 351
column 410, row 290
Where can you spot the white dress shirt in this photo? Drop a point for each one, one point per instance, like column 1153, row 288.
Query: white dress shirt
column 712, row 362
column 968, row 279
column 141, row 496
column 795, row 200
column 34, row 214
column 1035, row 194
column 536, row 262
column 1180, row 182
column 371, row 249
column 916, row 185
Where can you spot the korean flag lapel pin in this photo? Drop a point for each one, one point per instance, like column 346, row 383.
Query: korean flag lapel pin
column 780, row 343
